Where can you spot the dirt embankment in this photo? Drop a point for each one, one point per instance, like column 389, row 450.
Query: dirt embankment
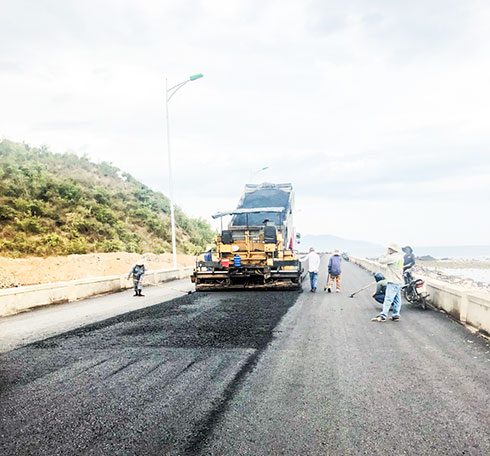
column 34, row 270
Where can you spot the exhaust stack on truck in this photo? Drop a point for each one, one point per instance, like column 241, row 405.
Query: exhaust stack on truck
column 256, row 249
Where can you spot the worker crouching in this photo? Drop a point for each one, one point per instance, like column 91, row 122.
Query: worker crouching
column 381, row 283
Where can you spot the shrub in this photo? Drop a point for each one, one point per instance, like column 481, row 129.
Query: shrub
column 29, row 224
column 102, row 196
column 53, row 240
column 7, row 213
column 110, row 245
column 79, row 245
column 69, row 191
column 104, row 215
column 134, row 247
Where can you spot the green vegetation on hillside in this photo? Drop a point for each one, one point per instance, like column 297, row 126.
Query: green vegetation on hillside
column 52, row 204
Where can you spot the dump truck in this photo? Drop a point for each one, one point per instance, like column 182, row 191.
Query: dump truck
column 256, row 249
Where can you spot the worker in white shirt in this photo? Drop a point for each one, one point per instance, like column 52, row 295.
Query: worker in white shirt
column 313, row 265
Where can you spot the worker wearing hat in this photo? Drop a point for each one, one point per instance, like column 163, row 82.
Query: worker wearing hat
column 394, row 276
column 138, row 272
column 334, row 271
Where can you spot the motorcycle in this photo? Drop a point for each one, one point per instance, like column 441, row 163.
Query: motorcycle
column 412, row 290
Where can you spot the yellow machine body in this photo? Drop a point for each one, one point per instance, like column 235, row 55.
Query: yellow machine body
column 252, row 253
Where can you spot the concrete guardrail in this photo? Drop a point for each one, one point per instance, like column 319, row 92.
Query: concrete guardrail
column 467, row 306
column 18, row 299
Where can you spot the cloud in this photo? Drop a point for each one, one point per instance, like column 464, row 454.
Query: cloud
column 359, row 104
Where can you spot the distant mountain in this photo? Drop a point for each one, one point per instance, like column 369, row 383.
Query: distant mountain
column 328, row 242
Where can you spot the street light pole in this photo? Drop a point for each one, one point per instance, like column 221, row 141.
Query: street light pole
column 169, row 93
column 254, row 173
column 170, row 184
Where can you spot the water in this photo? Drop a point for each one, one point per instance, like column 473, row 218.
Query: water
column 476, row 274
column 481, row 252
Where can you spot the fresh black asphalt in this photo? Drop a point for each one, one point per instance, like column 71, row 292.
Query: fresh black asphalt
column 251, row 373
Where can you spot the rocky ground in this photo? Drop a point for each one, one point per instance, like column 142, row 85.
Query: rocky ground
column 471, row 274
column 35, row 270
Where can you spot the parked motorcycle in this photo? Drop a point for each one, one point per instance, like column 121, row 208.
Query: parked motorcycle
column 412, row 290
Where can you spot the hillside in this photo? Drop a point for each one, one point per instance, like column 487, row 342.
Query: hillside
column 60, row 204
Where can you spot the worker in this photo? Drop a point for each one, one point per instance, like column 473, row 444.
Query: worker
column 313, row 265
column 409, row 258
column 381, row 283
column 394, row 275
column 334, row 271
column 208, row 256
column 408, row 263
column 138, row 272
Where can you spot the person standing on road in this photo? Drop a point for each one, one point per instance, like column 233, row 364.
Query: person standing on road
column 313, row 265
column 138, row 272
column 334, row 271
column 394, row 276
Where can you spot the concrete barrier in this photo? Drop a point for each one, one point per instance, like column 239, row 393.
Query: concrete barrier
column 471, row 307
column 14, row 300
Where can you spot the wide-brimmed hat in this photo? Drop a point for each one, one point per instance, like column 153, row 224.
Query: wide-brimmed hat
column 394, row 247
column 336, row 252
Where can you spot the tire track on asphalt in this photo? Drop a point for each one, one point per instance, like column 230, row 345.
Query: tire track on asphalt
column 209, row 343
column 119, row 369
column 206, row 426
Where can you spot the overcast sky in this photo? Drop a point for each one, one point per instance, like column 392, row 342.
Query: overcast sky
column 376, row 110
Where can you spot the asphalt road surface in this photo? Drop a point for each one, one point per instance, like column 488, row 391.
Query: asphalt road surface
column 48, row 321
column 251, row 373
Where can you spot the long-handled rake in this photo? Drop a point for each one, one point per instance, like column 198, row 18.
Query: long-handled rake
column 361, row 289
column 168, row 288
column 174, row 289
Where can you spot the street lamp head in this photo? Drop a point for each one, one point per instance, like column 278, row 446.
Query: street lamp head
column 195, row 76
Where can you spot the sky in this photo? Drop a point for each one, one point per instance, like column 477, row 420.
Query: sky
column 377, row 111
